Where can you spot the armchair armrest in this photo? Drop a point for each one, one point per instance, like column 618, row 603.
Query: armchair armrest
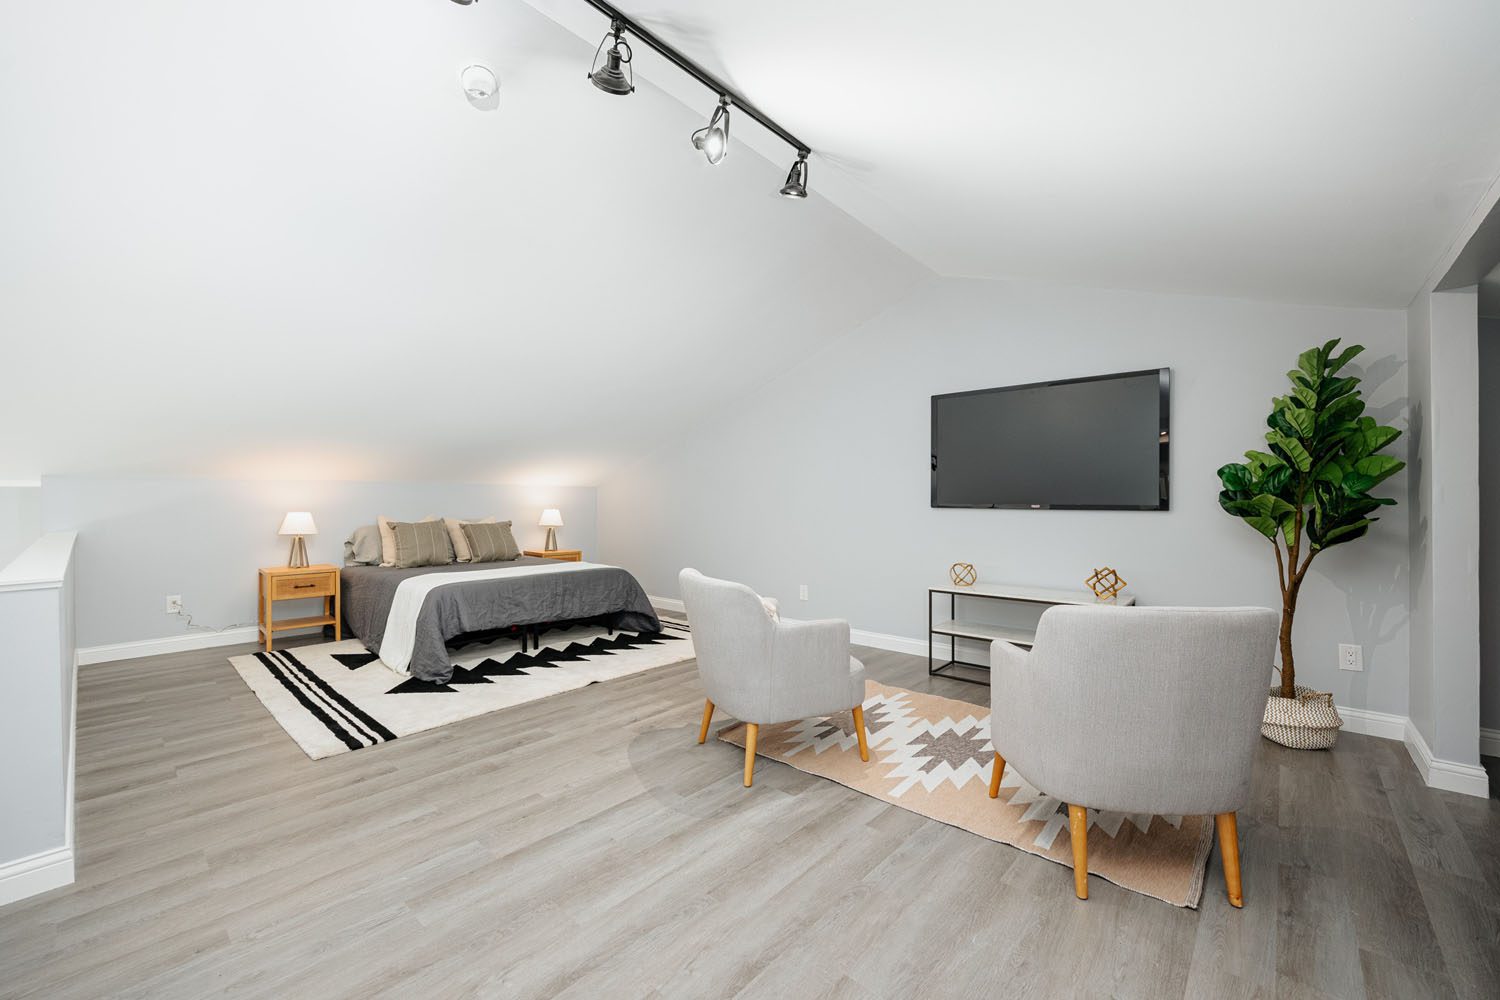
column 810, row 669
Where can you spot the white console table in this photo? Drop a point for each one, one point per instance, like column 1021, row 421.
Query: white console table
column 955, row 627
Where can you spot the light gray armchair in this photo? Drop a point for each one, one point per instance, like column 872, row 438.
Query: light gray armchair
column 763, row 670
column 1141, row 710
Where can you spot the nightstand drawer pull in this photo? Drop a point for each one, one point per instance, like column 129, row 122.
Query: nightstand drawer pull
column 303, row 585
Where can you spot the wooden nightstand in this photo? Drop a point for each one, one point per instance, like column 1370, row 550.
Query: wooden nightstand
column 286, row 583
column 563, row 555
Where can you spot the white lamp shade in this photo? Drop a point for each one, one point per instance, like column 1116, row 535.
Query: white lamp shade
column 551, row 518
column 298, row 522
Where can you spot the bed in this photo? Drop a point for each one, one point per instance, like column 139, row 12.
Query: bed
column 409, row 616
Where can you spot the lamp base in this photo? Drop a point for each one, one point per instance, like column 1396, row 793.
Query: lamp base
column 298, row 556
column 551, row 544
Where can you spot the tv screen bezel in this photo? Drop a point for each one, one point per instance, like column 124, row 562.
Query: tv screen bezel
column 1164, row 394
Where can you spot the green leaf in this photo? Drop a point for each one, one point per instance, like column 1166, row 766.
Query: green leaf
column 1263, row 458
column 1344, row 533
column 1346, row 408
column 1291, row 450
column 1299, row 378
column 1370, row 437
column 1308, row 397
column 1349, row 353
column 1305, row 421
column 1357, row 483
column 1378, row 468
column 1334, row 388
column 1235, row 476
column 1311, row 365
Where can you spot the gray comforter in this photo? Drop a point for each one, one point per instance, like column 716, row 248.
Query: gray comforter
column 483, row 605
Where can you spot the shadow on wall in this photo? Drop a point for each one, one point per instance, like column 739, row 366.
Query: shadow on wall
column 1380, row 607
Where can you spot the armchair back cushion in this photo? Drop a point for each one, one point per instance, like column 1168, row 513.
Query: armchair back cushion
column 1153, row 710
column 761, row 669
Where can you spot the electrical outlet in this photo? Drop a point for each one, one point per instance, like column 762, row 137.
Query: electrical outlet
column 802, row 592
column 1351, row 657
column 174, row 604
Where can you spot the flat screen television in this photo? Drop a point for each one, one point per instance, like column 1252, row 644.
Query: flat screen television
column 1076, row 444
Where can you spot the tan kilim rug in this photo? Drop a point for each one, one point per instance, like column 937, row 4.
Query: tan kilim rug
column 933, row 756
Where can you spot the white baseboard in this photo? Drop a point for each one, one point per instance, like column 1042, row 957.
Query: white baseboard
column 1449, row 775
column 170, row 644
column 1489, row 742
column 667, row 604
column 39, row 873
column 1367, row 723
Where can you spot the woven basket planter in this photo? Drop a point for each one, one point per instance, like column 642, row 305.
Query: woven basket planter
column 1306, row 722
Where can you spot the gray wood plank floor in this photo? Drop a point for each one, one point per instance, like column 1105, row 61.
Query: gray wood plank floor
column 585, row 846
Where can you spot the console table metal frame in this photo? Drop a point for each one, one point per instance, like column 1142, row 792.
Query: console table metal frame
column 955, row 629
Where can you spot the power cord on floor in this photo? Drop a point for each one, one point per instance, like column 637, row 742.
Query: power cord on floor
column 188, row 622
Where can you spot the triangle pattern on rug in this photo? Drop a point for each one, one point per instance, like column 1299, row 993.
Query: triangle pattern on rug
column 335, row 697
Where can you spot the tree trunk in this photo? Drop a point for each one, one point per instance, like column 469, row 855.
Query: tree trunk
column 1288, row 611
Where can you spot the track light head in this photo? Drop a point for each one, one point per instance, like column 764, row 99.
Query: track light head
column 712, row 140
column 464, row 3
column 796, row 179
column 612, row 77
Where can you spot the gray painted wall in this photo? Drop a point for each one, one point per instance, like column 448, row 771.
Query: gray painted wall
column 36, row 712
column 142, row 539
column 20, row 519
column 1444, row 522
column 1489, row 523
column 821, row 476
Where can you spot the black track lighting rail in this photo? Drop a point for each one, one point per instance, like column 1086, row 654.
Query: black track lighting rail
column 700, row 74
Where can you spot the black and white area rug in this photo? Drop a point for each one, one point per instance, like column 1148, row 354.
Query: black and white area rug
column 337, row 696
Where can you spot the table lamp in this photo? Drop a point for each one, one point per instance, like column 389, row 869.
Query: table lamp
column 298, row 523
column 551, row 520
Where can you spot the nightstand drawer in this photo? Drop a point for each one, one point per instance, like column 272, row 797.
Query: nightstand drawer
column 302, row 585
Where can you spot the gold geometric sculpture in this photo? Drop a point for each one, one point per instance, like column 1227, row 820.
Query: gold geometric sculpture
column 962, row 574
column 1106, row 584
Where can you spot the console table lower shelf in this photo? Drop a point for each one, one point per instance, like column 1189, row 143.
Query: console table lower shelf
column 955, row 628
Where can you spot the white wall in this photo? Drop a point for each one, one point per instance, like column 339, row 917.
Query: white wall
column 821, row 476
column 1489, row 523
column 1444, row 522
column 20, row 519
column 142, row 539
column 36, row 719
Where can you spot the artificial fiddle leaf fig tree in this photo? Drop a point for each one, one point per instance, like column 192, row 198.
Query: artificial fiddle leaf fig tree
column 1310, row 488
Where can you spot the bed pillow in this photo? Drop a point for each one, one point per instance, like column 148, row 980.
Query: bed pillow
column 421, row 543
column 456, row 536
column 388, row 539
column 491, row 542
column 363, row 547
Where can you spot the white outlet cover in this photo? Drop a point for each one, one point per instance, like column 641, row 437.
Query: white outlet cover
column 1351, row 657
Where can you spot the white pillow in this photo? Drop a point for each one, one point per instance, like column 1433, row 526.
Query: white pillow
column 461, row 551
column 388, row 540
column 773, row 609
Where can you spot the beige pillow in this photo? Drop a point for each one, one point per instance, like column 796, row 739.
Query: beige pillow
column 492, row 542
column 388, row 540
column 421, row 543
column 455, row 528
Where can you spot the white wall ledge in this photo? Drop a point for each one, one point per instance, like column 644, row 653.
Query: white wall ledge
column 42, row 565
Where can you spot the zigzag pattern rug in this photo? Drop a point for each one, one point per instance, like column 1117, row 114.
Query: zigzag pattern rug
column 933, row 756
column 338, row 696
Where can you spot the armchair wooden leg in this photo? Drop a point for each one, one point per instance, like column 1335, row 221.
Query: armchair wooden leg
column 752, row 732
column 859, row 730
column 1078, row 828
column 708, row 714
column 996, row 773
column 1229, row 847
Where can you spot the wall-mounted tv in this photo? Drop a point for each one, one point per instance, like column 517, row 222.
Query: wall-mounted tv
column 1077, row 444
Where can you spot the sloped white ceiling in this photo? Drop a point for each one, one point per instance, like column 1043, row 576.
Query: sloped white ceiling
column 274, row 240
column 1304, row 152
